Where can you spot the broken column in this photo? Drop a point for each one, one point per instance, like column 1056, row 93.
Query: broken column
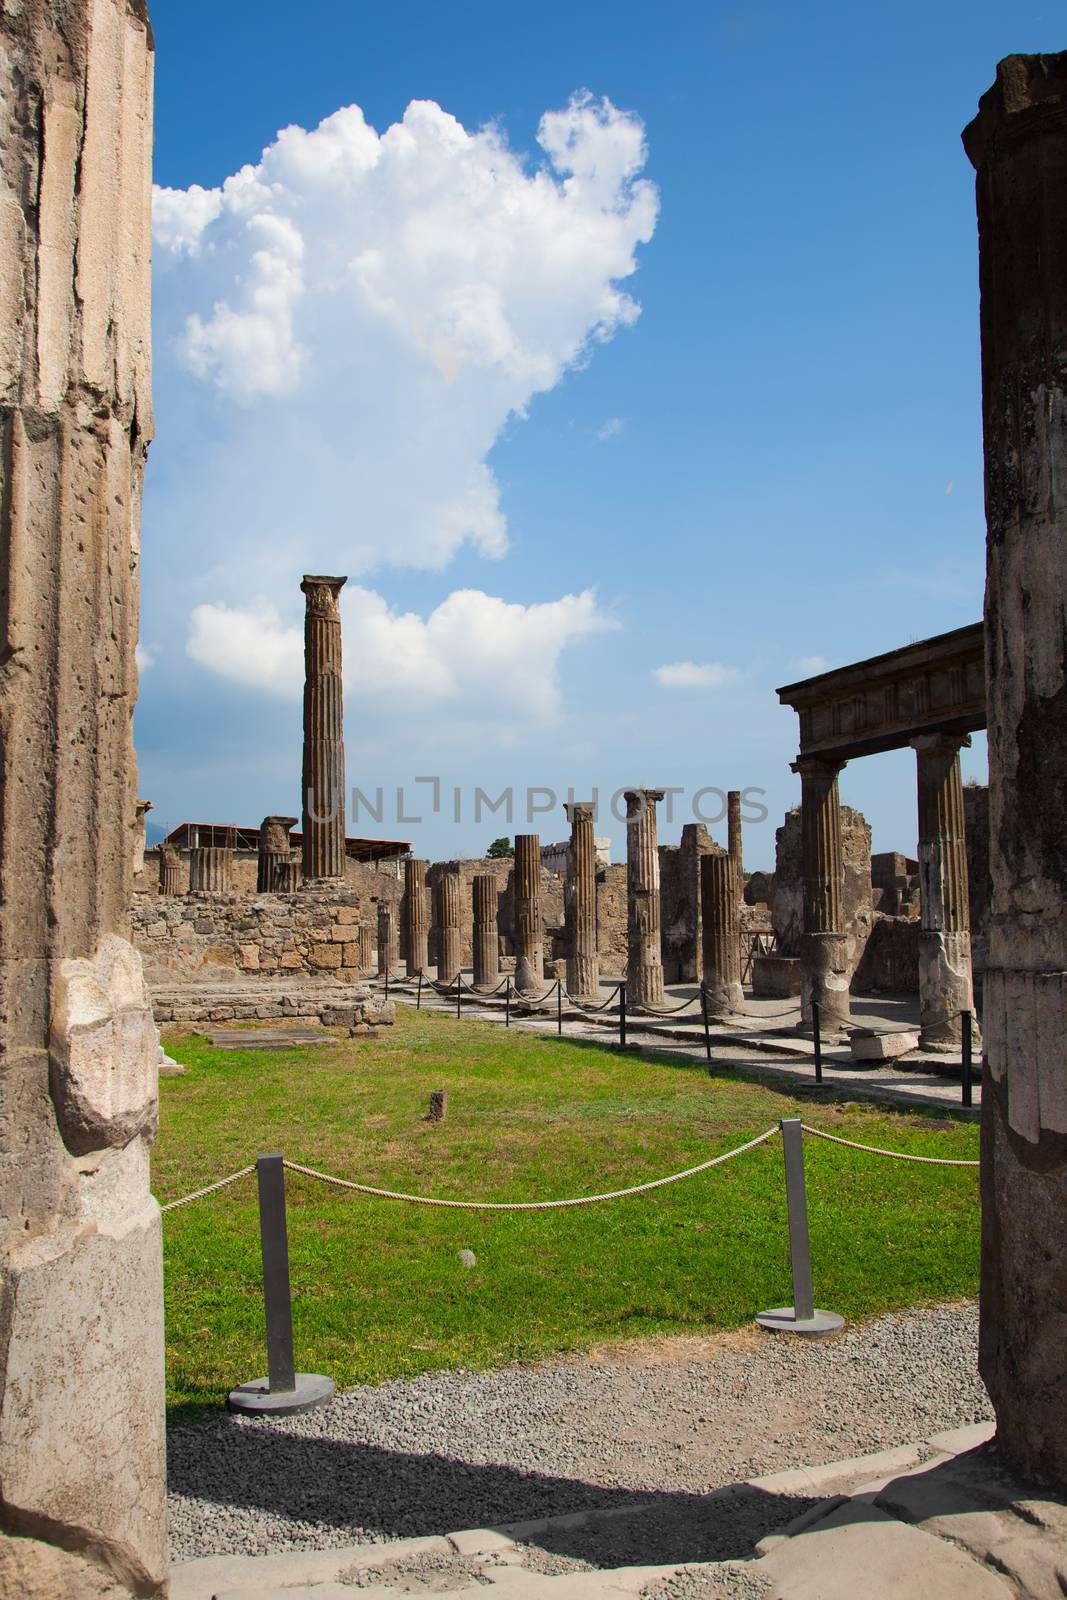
column 209, row 869
column 529, row 925
column 644, row 959
column 388, row 940
column 141, row 810
column 1018, row 143
column 579, row 905
column 274, row 855
column 323, row 782
column 721, row 934
column 824, row 963
column 170, row 869
column 486, row 937
column 81, row 1285
column 945, row 985
column 366, row 947
column 414, row 912
column 449, row 903
column 733, row 831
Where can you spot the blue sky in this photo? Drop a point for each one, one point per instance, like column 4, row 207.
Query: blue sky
column 416, row 356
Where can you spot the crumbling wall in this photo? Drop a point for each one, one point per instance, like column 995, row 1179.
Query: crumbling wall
column 787, row 911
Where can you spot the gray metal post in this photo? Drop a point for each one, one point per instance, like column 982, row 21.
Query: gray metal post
column 967, row 1063
column 801, row 1317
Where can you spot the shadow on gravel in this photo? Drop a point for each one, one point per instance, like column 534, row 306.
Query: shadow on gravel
column 372, row 1491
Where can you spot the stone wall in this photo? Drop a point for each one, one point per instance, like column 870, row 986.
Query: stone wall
column 890, row 961
column 377, row 880
column 788, row 905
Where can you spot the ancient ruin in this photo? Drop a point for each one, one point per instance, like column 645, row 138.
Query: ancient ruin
column 644, row 966
column 322, row 790
column 529, row 925
column 449, row 901
column 414, row 913
column 486, row 938
column 388, row 940
column 946, row 986
column 275, row 868
column 721, row 932
column 209, row 869
column 81, row 1356
column 583, row 960
column 170, row 870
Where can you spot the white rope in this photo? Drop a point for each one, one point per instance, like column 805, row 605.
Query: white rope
column 530, row 1205
column 898, row 1155
column 200, row 1193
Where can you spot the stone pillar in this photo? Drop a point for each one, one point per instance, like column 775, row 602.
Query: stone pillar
column 388, row 940
column 644, row 959
column 486, row 937
column 170, row 869
column 945, row 986
column 449, row 899
column 414, row 912
column 529, row 923
column 366, row 947
column 81, row 1283
column 733, row 834
column 141, row 810
column 323, row 782
column 274, row 855
column 1018, row 143
column 721, row 934
column 824, row 965
column 209, row 869
column 579, row 905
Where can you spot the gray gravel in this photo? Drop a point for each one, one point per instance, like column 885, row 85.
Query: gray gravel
column 657, row 1421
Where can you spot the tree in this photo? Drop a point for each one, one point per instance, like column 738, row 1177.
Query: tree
column 500, row 848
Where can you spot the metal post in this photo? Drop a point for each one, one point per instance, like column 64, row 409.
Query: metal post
column 507, row 1004
column 707, row 1028
column 622, row 1016
column 817, row 1037
column 418, row 1001
column 801, row 1317
column 459, row 994
column 968, row 1066
column 284, row 1389
column 559, row 1009
column 387, row 980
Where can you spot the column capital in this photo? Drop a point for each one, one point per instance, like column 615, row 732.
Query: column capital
column 323, row 594
column 637, row 798
column 940, row 743
column 825, row 767
column 579, row 810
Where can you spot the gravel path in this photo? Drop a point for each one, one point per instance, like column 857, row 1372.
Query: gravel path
column 655, row 1421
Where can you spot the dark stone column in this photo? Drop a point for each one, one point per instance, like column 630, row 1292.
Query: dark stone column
column 733, row 825
column 486, row 937
column 824, row 966
column 414, row 911
column 529, row 925
column 1018, row 143
column 644, row 959
column 945, row 985
column 388, row 940
column 579, row 905
column 323, row 783
column 274, row 854
column 721, row 932
column 209, row 869
column 449, row 902
column 170, row 869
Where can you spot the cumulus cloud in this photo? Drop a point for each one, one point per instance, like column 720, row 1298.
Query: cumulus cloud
column 696, row 675
column 474, row 652
column 145, row 656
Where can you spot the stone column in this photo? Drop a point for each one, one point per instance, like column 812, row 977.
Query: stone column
column 366, row 947
column 644, row 959
column 945, row 986
column 824, row 973
column 209, row 869
column 733, row 834
column 529, row 923
column 579, row 905
column 141, row 810
column 449, row 901
column 414, row 912
column 721, row 934
column 323, row 782
column 1018, row 143
column 81, row 1283
column 486, row 937
column 170, row 869
column 388, row 940
column 273, row 874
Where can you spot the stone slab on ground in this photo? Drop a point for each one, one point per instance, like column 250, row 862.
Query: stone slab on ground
column 868, row 1044
column 265, row 1038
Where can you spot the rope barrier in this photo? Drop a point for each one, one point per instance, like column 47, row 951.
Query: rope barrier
column 530, row 1205
column 172, row 1205
column 668, row 1011
column 897, row 1155
column 579, row 1006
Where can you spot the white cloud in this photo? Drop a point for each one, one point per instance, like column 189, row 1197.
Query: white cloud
column 609, row 429
column 811, row 666
column 696, row 675
column 475, row 655
column 145, row 656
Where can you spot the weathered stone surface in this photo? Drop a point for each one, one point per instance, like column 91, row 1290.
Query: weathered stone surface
column 945, row 987
column 486, row 937
column 644, row 964
column 209, row 869
column 787, row 902
column 681, row 939
column 776, row 975
column 449, row 899
column 322, row 789
column 1018, row 144
column 170, row 870
column 388, row 940
column 579, row 900
column 414, row 913
column 721, row 935
column 866, row 1044
column 274, row 865
column 529, row 926
column 825, row 969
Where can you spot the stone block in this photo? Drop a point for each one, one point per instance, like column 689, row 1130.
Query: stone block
column 776, row 976
column 346, row 914
column 248, row 957
column 204, row 924
column 325, row 955
column 352, row 956
column 867, row 1044
column 338, row 1016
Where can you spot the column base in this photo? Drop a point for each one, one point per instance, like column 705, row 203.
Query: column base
column 722, row 999
column 945, row 989
column 824, row 978
column 527, row 978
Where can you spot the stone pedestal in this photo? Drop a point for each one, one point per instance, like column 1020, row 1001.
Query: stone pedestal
column 824, row 953
column 945, row 985
column 388, row 941
column 323, row 782
column 529, row 925
column 579, row 906
column 81, row 1282
column 273, row 876
column 449, row 909
column 414, row 914
column 721, row 935
column 210, row 869
column 1018, row 143
column 170, row 869
column 486, row 935
column 644, row 960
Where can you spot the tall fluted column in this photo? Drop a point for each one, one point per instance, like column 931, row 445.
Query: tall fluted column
column 170, row 869
column 449, row 907
column 323, row 783
column 529, row 924
column 388, row 940
column 1018, row 144
column 579, row 905
column 414, row 913
column 486, row 938
column 824, row 974
column 367, row 940
column 83, row 1508
column 273, row 863
column 945, row 983
column 733, row 834
column 721, row 934
column 644, row 957
column 210, row 869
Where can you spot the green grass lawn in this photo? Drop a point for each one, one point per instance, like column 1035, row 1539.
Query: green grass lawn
column 378, row 1289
